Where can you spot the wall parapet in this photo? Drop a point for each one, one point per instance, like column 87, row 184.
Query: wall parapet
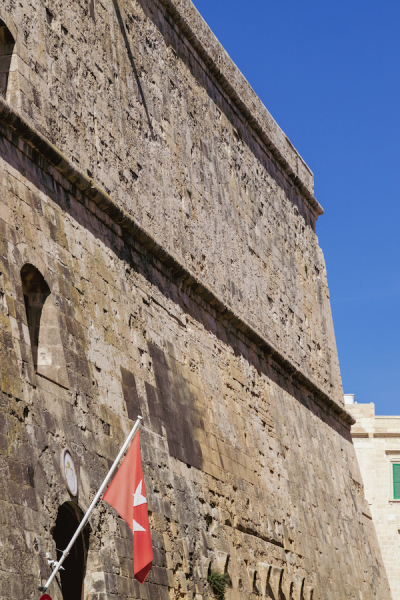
column 24, row 131
column 198, row 33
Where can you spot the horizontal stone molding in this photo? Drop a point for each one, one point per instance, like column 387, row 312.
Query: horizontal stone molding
column 238, row 89
column 26, row 132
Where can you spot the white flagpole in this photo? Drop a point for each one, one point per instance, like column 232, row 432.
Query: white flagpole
column 93, row 504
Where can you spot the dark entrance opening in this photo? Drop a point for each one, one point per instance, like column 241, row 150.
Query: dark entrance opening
column 68, row 518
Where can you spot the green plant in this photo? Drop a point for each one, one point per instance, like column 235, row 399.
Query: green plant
column 218, row 582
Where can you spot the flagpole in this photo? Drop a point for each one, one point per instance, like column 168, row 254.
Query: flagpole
column 93, row 504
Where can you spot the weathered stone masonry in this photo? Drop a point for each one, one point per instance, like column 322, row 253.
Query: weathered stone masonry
column 173, row 224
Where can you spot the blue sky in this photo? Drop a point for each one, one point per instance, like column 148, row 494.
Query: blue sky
column 328, row 72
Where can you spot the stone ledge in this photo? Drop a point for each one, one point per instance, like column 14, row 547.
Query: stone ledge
column 23, row 130
column 236, row 86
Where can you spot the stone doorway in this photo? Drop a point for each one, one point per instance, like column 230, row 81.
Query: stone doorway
column 68, row 518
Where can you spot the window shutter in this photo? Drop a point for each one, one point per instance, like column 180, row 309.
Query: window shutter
column 396, row 482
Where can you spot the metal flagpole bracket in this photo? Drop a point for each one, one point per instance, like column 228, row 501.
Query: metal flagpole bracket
column 57, row 564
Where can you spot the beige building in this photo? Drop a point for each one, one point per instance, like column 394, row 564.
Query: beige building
column 377, row 443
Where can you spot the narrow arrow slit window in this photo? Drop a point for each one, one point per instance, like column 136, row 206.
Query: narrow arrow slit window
column 44, row 327
column 7, row 44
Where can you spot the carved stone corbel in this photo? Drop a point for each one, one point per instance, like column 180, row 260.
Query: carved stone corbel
column 287, row 586
column 308, row 593
column 274, row 582
column 298, row 586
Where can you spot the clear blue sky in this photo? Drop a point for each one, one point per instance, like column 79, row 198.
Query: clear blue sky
column 328, row 72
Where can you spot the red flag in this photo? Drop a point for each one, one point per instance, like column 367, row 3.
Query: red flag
column 127, row 495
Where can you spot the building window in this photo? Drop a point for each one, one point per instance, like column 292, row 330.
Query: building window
column 7, row 44
column 396, row 481
column 43, row 325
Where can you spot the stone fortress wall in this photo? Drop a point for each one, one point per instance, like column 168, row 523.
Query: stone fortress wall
column 158, row 255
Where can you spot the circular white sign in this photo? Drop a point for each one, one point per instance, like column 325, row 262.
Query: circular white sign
column 70, row 473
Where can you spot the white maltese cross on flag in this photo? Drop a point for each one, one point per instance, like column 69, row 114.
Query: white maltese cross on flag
column 129, row 482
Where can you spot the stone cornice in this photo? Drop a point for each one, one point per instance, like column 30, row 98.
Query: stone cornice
column 24, row 131
column 236, row 86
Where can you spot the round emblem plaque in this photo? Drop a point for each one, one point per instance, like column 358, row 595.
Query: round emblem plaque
column 70, row 475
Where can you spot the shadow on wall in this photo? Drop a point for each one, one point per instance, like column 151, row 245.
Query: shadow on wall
column 132, row 62
column 173, row 407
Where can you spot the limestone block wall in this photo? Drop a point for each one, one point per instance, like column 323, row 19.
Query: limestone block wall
column 246, row 470
column 143, row 99
column 159, row 229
